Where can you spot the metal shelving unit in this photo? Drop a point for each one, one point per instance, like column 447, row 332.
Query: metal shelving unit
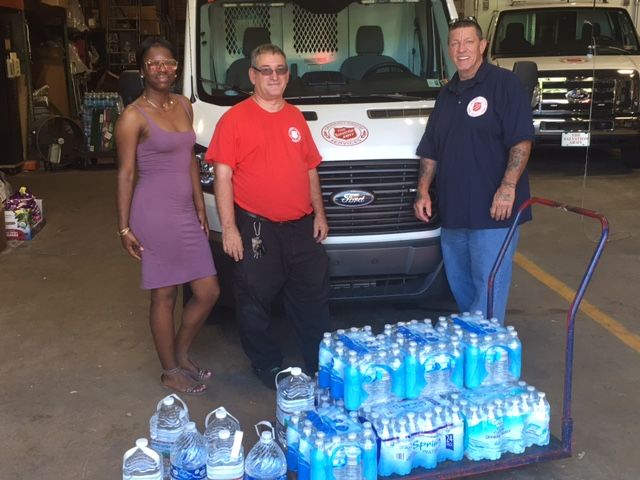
column 123, row 34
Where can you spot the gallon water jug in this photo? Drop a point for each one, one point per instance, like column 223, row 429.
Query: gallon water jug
column 225, row 456
column 295, row 393
column 189, row 455
column 265, row 460
column 166, row 425
column 141, row 463
column 217, row 420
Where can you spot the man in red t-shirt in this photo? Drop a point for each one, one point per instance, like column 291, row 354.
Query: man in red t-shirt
column 273, row 222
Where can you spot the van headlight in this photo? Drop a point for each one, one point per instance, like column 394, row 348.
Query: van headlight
column 206, row 171
column 536, row 96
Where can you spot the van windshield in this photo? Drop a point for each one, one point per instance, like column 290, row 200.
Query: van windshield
column 368, row 51
column 564, row 31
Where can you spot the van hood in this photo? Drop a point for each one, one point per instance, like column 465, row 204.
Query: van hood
column 576, row 62
column 349, row 131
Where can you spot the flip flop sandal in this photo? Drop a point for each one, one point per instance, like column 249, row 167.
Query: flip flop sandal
column 200, row 375
column 196, row 389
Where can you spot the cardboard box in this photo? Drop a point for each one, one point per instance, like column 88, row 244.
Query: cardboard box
column 146, row 12
column 56, row 3
column 16, row 229
column 18, row 5
column 149, row 27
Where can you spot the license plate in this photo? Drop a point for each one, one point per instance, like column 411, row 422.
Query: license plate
column 575, row 139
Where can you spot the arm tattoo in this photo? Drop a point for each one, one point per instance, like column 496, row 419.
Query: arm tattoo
column 518, row 157
column 427, row 170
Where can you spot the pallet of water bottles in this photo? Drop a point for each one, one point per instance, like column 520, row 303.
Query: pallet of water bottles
column 100, row 111
column 330, row 442
column 430, row 393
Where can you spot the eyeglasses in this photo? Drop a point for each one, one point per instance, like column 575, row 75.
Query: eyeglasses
column 464, row 20
column 268, row 71
column 155, row 65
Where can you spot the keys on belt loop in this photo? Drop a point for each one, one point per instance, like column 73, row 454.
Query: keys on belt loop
column 257, row 246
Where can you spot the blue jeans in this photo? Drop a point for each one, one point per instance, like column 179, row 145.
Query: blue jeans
column 469, row 256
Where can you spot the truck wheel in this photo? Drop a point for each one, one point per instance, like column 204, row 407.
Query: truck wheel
column 630, row 157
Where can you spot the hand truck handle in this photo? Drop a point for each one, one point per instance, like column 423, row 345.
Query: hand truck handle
column 567, row 421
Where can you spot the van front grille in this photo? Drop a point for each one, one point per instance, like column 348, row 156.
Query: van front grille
column 392, row 183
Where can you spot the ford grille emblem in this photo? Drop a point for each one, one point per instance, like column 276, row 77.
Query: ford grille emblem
column 353, row 198
column 578, row 95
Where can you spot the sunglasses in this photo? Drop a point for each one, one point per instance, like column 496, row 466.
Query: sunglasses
column 155, row 65
column 268, row 71
column 463, row 20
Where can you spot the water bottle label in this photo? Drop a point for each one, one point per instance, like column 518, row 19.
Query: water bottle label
column 178, row 473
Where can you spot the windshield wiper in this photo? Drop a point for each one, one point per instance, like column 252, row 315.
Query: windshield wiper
column 613, row 48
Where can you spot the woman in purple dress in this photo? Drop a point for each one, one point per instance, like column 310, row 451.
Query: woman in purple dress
column 161, row 217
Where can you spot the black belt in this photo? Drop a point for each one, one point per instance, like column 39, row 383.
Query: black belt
column 266, row 220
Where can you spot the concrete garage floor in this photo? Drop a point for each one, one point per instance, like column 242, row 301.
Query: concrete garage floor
column 80, row 376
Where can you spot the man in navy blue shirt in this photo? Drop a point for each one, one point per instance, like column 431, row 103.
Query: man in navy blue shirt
column 478, row 138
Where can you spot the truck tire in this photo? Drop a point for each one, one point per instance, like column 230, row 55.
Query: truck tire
column 630, row 157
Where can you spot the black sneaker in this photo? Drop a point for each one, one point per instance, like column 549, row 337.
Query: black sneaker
column 267, row 376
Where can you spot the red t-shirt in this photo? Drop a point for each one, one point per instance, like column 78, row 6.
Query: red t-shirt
column 271, row 154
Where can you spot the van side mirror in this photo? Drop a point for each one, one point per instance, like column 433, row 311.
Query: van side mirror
column 527, row 72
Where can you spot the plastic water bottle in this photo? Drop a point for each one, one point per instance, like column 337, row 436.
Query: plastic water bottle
column 217, row 420
column 413, row 383
column 385, row 465
column 352, row 382
column 493, row 428
column 225, row 456
column 513, row 439
column 537, row 429
column 426, row 442
column 403, row 454
column 189, row 455
column 337, row 371
column 165, row 427
column 369, row 452
column 473, row 366
column 319, row 460
column 265, row 460
column 325, row 361
column 293, row 442
column 514, row 346
column 500, row 367
column 396, row 366
column 305, row 446
column 296, row 393
column 142, row 463
column 454, row 443
column 474, row 432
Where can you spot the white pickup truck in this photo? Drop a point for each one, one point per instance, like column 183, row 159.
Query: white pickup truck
column 588, row 58
column 365, row 74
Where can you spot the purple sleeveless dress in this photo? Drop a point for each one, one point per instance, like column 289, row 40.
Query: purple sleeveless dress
column 163, row 216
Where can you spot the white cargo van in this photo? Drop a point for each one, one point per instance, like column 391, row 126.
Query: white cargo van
column 588, row 57
column 365, row 74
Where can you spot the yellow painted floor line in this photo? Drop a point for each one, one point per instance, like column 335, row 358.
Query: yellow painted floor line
column 613, row 326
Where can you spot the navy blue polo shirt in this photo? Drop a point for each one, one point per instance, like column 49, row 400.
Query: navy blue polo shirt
column 469, row 134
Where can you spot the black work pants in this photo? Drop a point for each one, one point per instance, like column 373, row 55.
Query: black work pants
column 294, row 264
